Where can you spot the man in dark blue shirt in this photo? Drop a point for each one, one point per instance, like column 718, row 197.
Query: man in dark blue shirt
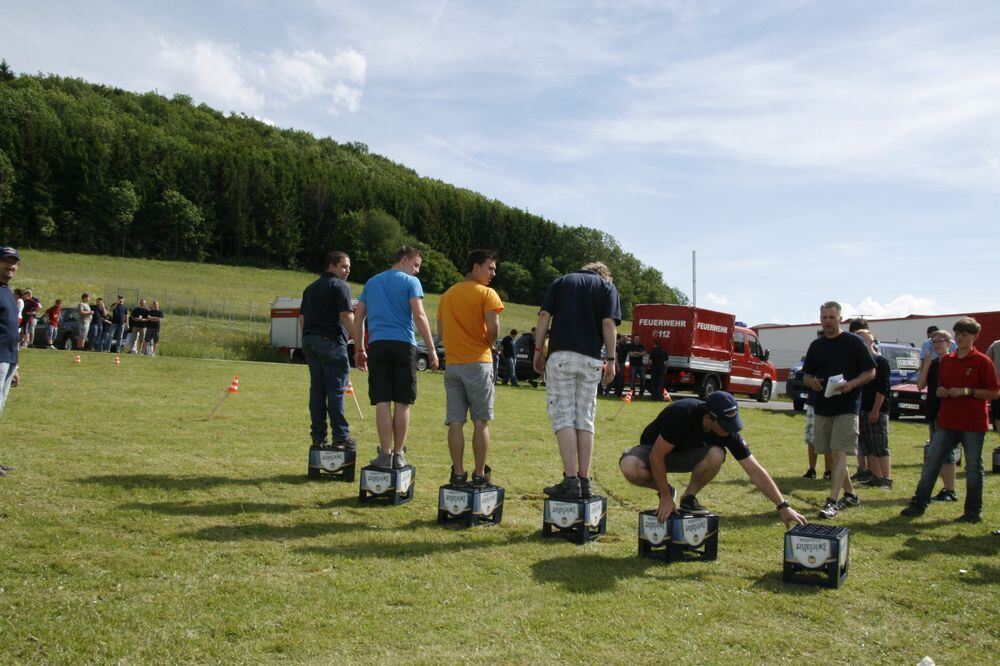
column 10, row 336
column 584, row 311
column 327, row 320
column 693, row 435
column 119, row 321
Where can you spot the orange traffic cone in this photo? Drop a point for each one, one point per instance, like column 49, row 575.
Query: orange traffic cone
column 235, row 386
column 118, row 360
column 77, row 359
column 626, row 400
column 350, row 392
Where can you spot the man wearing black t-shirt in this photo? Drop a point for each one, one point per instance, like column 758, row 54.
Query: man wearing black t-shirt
column 327, row 319
column 137, row 322
column 153, row 319
column 693, row 435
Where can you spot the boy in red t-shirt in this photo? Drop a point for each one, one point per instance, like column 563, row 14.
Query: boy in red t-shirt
column 52, row 317
column 967, row 381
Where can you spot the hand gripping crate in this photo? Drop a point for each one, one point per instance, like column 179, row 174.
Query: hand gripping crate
column 331, row 462
column 816, row 554
column 578, row 520
column 469, row 506
column 680, row 537
column 386, row 486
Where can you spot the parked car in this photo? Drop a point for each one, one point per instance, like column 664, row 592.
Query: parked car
column 524, row 368
column 795, row 388
column 69, row 330
column 423, row 352
column 906, row 399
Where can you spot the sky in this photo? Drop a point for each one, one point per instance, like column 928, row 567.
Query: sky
column 806, row 151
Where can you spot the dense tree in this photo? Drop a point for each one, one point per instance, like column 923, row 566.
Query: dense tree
column 91, row 168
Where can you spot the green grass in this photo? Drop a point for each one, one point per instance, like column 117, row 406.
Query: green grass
column 208, row 291
column 134, row 531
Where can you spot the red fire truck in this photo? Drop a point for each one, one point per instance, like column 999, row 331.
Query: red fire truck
column 706, row 350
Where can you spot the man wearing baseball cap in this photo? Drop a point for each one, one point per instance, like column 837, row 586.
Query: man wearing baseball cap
column 693, row 435
column 9, row 334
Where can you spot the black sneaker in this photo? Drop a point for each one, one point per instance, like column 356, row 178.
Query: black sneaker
column 872, row 482
column 568, row 488
column 810, row 474
column 584, row 487
column 912, row 510
column 850, row 500
column 691, row 506
column 826, row 475
column 483, row 481
column 885, row 484
column 458, row 479
column 861, row 476
column 830, row 509
column 969, row 518
column 350, row 444
column 945, row 495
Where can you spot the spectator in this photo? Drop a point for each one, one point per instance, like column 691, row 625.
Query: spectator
column 620, row 354
column 52, row 316
column 873, row 421
column 658, row 370
column 967, row 382
column 940, row 343
column 86, row 315
column 119, row 321
column 96, row 337
column 994, row 355
column 137, row 324
column 393, row 302
column 583, row 310
column 9, row 331
column 509, row 357
column 844, row 357
column 468, row 323
column 927, row 348
column 637, row 368
column 153, row 320
column 30, row 317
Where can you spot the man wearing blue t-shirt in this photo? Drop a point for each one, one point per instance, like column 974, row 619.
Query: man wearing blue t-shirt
column 392, row 302
column 10, row 335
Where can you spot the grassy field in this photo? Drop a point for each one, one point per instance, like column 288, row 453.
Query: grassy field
column 135, row 531
column 208, row 292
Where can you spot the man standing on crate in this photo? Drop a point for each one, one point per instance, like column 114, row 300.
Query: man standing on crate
column 583, row 310
column 692, row 435
column 468, row 323
column 10, row 335
column 967, row 381
column 327, row 323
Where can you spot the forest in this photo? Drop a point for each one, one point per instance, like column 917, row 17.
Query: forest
column 100, row 170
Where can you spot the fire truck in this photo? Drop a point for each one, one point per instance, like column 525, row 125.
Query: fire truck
column 706, row 350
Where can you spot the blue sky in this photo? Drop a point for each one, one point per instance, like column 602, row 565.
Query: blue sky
column 807, row 150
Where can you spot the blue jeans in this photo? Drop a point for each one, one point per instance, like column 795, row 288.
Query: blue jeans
column 329, row 373
column 6, row 377
column 96, row 334
column 511, row 363
column 942, row 444
column 117, row 337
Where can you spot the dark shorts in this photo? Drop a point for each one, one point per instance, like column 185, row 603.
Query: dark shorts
column 153, row 335
column 995, row 410
column 392, row 372
column 678, row 460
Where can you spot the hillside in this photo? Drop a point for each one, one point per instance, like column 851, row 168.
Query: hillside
column 99, row 170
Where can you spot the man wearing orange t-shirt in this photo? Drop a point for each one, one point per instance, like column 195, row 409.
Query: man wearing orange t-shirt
column 468, row 323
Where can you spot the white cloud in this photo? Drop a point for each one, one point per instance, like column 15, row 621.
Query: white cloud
column 247, row 81
column 901, row 306
column 716, row 300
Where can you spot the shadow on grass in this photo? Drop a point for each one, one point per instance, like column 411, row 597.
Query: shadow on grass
column 220, row 509
column 268, row 532
column 166, row 482
column 981, row 545
column 396, row 549
column 983, row 575
column 773, row 582
column 589, row 573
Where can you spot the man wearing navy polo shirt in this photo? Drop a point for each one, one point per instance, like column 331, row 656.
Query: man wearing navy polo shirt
column 392, row 302
column 693, row 435
column 327, row 321
column 583, row 310
column 9, row 332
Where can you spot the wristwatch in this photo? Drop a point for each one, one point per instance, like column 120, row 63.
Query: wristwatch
column 783, row 505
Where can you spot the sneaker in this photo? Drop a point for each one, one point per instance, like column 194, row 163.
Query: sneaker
column 826, row 475
column 885, row 484
column 568, row 488
column 945, row 495
column 850, row 500
column 350, row 444
column 483, row 481
column 383, row 459
column 52, row 346
column 7, row 468
column 810, row 474
column 399, row 459
column 458, row 479
column 584, row 487
column 912, row 510
column 861, row 476
column 969, row 518
column 830, row 509
column 691, row 506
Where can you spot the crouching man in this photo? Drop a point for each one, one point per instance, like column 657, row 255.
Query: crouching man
column 692, row 435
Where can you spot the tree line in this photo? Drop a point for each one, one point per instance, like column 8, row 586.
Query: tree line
column 97, row 169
